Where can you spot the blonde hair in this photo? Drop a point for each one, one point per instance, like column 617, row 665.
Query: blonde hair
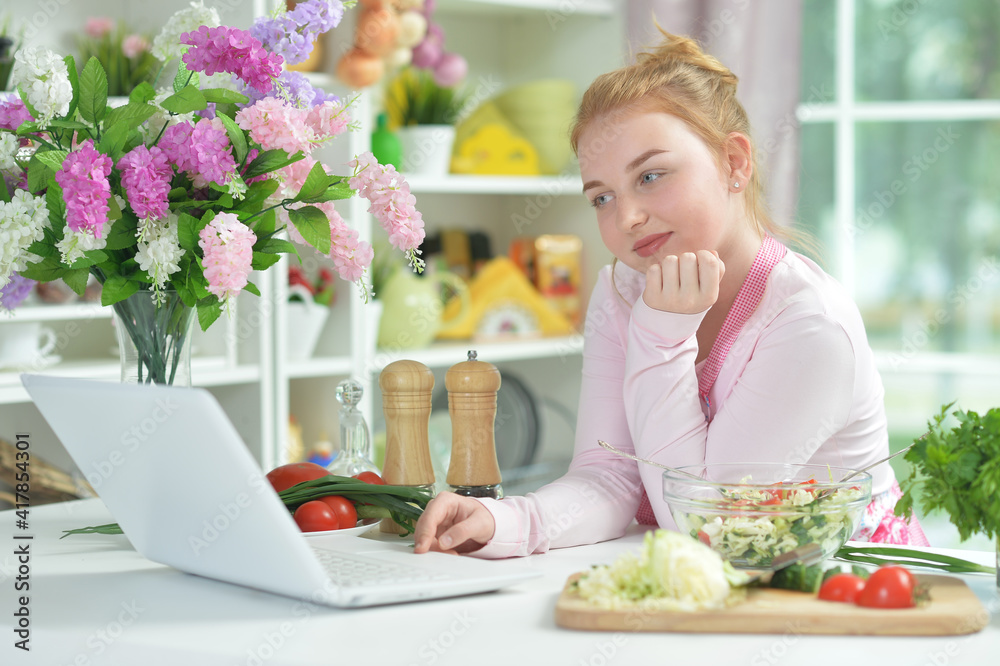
column 678, row 78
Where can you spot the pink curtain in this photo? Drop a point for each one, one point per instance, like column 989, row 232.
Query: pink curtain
column 761, row 43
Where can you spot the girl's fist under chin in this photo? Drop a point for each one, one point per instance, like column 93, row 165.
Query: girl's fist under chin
column 685, row 284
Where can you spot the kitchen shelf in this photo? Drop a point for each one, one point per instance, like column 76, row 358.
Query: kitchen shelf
column 453, row 184
column 320, row 366
column 205, row 371
column 446, row 354
column 517, row 7
column 62, row 312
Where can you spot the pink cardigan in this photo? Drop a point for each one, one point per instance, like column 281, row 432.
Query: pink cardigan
column 798, row 383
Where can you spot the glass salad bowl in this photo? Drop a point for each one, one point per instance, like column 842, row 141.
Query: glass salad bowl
column 751, row 513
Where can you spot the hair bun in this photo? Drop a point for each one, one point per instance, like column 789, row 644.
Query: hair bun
column 681, row 49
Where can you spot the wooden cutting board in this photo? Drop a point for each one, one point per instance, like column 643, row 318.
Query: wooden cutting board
column 953, row 609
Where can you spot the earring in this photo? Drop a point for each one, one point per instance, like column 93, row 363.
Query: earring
column 736, row 185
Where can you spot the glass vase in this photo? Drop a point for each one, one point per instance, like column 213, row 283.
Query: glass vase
column 154, row 338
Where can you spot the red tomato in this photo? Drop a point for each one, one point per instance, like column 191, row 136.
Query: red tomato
column 842, row 587
column 370, row 477
column 287, row 476
column 347, row 515
column 704, row 538
column 316, row 516
column 888, row 587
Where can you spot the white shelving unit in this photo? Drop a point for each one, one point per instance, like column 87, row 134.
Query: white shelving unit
column 244, row 360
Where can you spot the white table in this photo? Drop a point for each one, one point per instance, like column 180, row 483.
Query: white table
column 94, row 600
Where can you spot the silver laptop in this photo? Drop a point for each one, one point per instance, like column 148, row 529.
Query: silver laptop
column 172, row 470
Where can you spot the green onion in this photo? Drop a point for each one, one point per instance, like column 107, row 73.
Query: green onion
column 404, row 504
column 907, row 557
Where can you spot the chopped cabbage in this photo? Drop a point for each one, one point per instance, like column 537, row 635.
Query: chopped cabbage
column 670, row 572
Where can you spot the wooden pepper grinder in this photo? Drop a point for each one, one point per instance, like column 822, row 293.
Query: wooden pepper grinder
column 406, row 401
column 472, row 403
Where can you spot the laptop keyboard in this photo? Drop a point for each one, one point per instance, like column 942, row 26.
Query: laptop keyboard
column 351, row 571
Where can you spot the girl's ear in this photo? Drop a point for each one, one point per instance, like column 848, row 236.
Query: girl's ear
column 738, row 161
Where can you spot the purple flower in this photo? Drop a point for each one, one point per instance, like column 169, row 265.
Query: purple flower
column 83, row 178
column 225, row 49
column 15, row 291
column 294, row 88
column 293, row 34
column 13, row 112
column 146, row 177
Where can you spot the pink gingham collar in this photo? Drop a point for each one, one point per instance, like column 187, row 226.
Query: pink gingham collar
column 752, row 290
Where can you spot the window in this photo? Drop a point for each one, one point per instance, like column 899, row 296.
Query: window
column 900, row 184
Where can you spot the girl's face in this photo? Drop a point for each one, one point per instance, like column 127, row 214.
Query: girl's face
column 657, row 188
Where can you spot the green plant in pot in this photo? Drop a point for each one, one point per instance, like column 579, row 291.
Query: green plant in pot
column 8, row 48
column 424, row 114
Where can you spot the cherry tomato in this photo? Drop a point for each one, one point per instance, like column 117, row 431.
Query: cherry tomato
column 287, row 476
column 316, row 516
column 347, row 515
column 704, row 538
column 888, row 587
column 370, row 477
column 842, row 587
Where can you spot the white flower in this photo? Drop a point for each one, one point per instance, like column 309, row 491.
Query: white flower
column 160, row 251
column 8, row 149
column 167, row 44
column 21, row 223
column 44, row 78
column 75, row 243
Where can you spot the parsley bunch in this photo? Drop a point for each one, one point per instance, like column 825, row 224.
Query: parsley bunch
column 958, row 470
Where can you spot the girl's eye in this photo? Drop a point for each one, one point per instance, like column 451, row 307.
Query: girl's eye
column 600, row 200
column 649, row 177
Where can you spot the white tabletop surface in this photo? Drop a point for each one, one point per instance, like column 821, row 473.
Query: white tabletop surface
column 94, row 600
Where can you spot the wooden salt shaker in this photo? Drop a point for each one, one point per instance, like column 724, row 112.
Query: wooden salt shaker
column 406, row 401
column 472, row 403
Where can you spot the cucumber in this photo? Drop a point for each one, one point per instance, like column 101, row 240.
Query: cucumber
column 799, row 577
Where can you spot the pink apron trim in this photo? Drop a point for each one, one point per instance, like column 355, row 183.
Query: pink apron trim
column 751, row 291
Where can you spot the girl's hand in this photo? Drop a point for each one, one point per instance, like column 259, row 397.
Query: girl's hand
column 453, row 524
column 684, row 284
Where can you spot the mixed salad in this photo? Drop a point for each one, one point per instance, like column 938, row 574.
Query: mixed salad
column 749, row 527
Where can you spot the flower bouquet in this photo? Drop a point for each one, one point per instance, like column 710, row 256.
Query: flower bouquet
column 172, row 199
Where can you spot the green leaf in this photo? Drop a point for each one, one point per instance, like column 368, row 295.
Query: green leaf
column 185, row 100
column 188, row 228
column 62, row 123
column 142, row 93
column 236, row 137
column 184, row 76
column 52, row 158
column 4, row 193
column 57, row 209
column 31, row 109
column 112, row 143
column 209, row 310
column 26, row 128
column 256, row 194
column 224, row 96
column 93, row 92
column 314, row 226
column 276, row 245
column 269, row 161
column 117, row 288
column 264, row 224
column 46, row 270
column 315, row 184
column 122, row 233
column 252, row 288
column 89, row 258
column 131, row 115
column 263, row 260
column 74, row 82
column 76, row 279
column 337, row 191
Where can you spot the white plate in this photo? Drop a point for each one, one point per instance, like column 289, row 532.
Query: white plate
column 350, row 531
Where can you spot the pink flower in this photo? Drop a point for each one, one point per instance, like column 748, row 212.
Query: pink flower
column 227, row 245
column 275, row 124
column 202, row 150
column 231, row 50
column 146, row 175
column 98, row 27
column 391, row 201
column 134, row 46
column 83, row 178
column 328, row 120
column 13, row 112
